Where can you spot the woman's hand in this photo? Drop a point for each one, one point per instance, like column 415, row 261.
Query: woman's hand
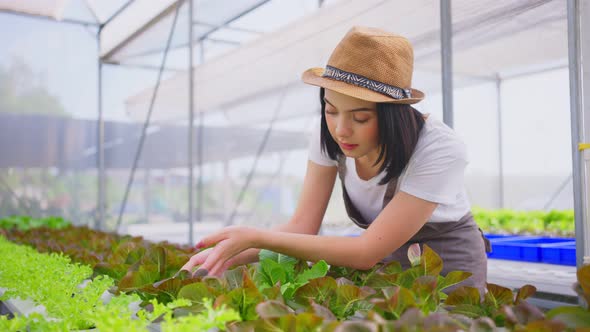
column 227, row 244
column 196, row 259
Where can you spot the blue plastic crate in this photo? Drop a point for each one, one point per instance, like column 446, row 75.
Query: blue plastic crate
column 496, row 237
column 506, row 247
column 559, row 253
column 523, row 248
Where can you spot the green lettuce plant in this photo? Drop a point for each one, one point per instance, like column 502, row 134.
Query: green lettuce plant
column 283, row 293
column 34, row 322
column 506, row 221
column 118, row 315
column 575, row 317
column 288, row 272
column 26, row 222
column 56, row 285
column 210, row 318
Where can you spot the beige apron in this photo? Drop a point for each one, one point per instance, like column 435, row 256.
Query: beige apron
column 460, row 243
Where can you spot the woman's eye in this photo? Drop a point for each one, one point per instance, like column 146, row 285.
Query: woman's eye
column 361, row 120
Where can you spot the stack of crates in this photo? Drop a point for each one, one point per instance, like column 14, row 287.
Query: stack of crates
column 537, row 249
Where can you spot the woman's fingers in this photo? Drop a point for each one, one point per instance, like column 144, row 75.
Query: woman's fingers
column 226, row 244
column 229, row 263
column 218, row 260
column 200, row 272
column 220, row 267
column 221, row 235
column 196, row 259
column 207, row 259
column 211, row 259
column 212, row 239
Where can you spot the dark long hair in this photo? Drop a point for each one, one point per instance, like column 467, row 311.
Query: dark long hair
column 399, row 129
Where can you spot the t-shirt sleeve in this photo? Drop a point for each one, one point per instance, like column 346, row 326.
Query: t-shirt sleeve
column 315, row 149
column 437, row 173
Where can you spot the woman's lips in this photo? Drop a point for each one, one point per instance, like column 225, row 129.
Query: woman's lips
column 348, row 146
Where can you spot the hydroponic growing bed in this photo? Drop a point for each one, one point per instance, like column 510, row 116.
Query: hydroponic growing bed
column 87, row 279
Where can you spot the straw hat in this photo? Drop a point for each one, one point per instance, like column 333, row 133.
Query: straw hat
column 369, row 64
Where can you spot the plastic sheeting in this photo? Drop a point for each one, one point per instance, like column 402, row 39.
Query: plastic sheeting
column 49, row 8
column 491, row 39
column 40, row 141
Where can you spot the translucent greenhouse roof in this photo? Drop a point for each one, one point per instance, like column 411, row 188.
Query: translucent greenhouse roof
column 274, row 41
column 219, row 25
column 491, row 39
column 138, row 28
column 82, row 11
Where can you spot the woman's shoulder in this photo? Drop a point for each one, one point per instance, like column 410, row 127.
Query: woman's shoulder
column 437, row 139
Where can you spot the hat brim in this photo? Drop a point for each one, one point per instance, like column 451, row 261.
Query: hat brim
column 313, row 76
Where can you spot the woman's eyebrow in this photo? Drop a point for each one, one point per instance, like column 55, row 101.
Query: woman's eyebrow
column 328, row 102
column 360, row 109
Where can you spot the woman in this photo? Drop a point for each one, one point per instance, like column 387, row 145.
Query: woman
column 402, row 172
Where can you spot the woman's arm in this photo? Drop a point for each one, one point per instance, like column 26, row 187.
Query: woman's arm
column 317, row 188
column 307, row 219
column 403, row 216
column 396, row 224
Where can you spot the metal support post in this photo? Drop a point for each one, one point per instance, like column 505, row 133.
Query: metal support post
column 578, row 44
column 100, row 208
column 500, row 145
column 446, row 51
column 191, row 124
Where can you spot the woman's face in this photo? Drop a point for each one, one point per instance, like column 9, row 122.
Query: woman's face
column 352, row 123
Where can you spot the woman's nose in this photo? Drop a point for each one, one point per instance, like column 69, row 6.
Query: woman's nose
column 343, row 128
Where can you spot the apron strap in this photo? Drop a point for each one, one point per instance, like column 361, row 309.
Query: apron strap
column 390, row 191
column 351, row 210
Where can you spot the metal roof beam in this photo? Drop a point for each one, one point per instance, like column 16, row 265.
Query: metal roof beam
column 51, row 19
column 131, row 21
column 153, row 14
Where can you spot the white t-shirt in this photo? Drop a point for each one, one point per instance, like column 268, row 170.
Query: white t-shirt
column 435, row 173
